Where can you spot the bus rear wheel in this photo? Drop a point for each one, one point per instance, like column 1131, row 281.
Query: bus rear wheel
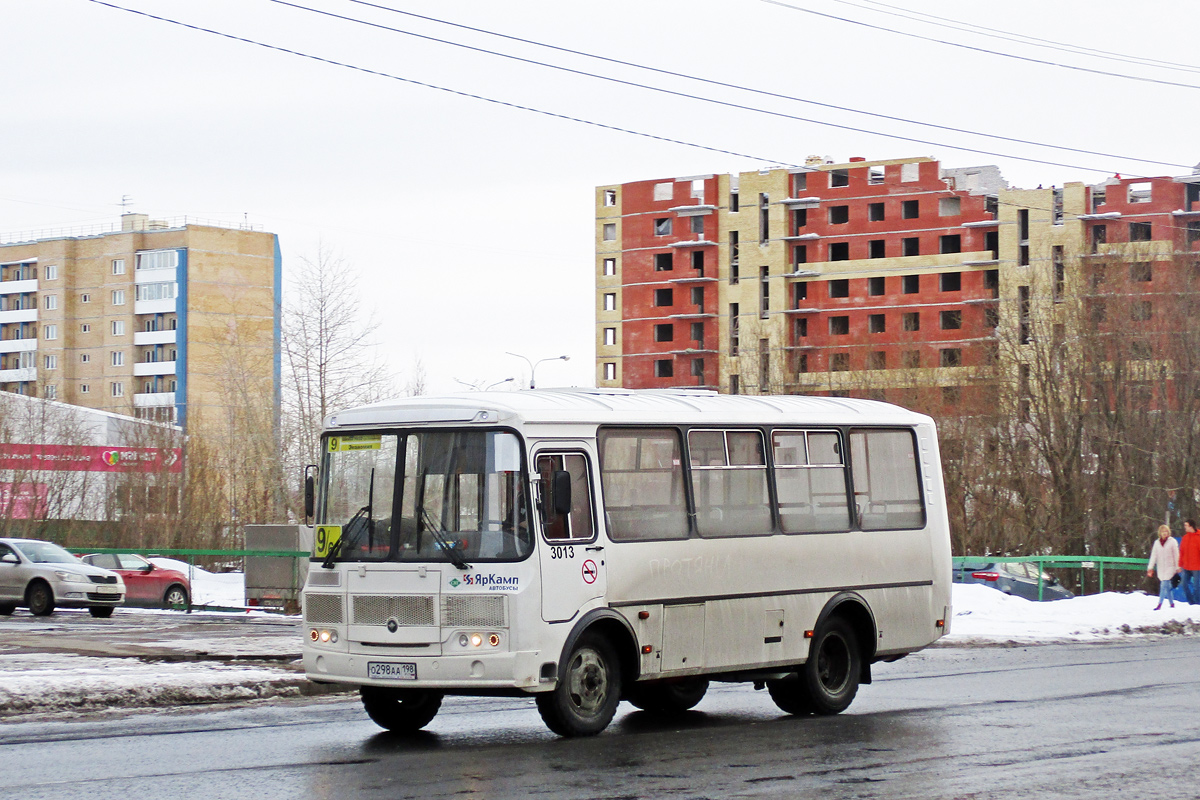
column 672, row 697
column 588, row 690
column 828, row 681
column 400, row 710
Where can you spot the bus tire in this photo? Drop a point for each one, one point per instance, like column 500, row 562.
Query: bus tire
column 588, row 690
column 828, row 681
column 668, row 697
column 400, row 710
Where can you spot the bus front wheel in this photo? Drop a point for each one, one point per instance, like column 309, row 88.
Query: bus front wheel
column 828, row 681
column 400, row 710
column 588, row 690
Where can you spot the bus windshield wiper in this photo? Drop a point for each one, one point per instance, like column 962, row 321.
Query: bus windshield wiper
column 435, row 530
column 349, row 531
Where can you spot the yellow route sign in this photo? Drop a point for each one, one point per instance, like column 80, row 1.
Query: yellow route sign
column 344, row 444
column 324, row 539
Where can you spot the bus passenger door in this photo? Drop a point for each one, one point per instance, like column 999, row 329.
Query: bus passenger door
column 571, row 560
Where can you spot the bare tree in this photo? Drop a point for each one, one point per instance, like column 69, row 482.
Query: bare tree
column 330, row 360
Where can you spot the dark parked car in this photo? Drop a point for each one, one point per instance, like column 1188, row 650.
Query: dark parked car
column 1018, row 578
column 41, row 576
column 146, row 584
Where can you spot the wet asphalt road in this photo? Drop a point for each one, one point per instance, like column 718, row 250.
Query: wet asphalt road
column 1055, row 720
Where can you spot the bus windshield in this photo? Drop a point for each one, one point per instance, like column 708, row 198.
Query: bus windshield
column 456, row 496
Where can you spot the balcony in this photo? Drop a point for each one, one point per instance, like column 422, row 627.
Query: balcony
column 693, row 279
column 153, row 399
column 13, row 287
column 18, row 345
column 154, row 337
column 701, row 242
column 21, row 315
column 692, row 211
column 18, row 375
column 145, row 368
column 799, row 202
column 154, row 306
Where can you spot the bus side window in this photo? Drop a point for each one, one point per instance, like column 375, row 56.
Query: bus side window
column 811, row 481
column 641, row 473
column 578, row 525
column 887, row 487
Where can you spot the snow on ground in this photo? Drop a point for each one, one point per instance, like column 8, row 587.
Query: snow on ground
column 225, row 589
column 985, row 614
column 41, row 683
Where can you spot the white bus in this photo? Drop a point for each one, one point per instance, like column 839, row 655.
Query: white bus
column 588, row 546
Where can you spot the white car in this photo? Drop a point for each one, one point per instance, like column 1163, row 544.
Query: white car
column 42, row 576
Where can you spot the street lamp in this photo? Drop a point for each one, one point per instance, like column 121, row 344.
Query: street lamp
column 533, row 364
column 497, row 383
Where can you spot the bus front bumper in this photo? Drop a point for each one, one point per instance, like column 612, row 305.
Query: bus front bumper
column 474, row 671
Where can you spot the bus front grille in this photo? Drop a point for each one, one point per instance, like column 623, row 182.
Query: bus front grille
column 405, row 609
column 323, row 609
column 466, row 610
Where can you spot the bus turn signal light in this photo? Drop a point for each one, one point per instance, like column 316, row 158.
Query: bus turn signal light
column 647, row 649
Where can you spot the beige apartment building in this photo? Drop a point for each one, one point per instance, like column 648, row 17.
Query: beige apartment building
column 161, row 320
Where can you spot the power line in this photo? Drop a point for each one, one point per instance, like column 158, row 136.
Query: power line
column 423, row 84
column 982, row 30
column 689, row 96
column 972, row 48
column 712, row 82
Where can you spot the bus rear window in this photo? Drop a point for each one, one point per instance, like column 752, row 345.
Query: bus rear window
column 641, row 473
column 887, row 488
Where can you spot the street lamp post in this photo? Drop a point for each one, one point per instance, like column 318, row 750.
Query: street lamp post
column 533, row 365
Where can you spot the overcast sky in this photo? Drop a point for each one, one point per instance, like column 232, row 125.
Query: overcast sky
column 470, row 223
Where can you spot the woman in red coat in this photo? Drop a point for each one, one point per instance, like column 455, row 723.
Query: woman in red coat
column 1189, row 561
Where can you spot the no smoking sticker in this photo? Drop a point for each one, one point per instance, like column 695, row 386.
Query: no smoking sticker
column 589, row 571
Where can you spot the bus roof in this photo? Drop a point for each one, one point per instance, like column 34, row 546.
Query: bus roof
column 624, row 407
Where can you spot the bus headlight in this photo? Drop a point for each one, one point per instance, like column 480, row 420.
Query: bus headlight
column 476, row 639
column 323, row 636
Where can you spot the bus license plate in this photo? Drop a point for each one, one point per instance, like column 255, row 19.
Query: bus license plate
column 391, row 671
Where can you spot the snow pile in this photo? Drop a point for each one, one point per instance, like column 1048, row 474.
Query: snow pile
column 40, row 683
column 224, row 589
column 982, row 613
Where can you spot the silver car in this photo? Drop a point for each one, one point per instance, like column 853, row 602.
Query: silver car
column 42, row 576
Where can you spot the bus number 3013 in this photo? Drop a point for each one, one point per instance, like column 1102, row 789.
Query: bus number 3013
column 562, row 551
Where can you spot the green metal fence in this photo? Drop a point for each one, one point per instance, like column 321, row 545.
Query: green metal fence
column 1083, row 563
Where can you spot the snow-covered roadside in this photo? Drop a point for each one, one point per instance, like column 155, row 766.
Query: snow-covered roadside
column 41, row 683
column 984, row 615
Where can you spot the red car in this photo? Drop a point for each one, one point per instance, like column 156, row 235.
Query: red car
column 145, row 583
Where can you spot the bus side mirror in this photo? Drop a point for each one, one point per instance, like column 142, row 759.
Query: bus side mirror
column 310, row 493
column 562, row 492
